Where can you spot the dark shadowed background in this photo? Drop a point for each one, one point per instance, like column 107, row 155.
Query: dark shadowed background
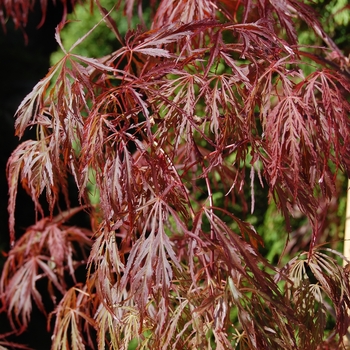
column 22, row 65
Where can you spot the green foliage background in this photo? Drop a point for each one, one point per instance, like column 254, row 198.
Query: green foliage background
column 101, row 41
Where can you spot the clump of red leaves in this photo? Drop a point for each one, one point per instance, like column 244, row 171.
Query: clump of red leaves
column 20, row 10
column 177, row 114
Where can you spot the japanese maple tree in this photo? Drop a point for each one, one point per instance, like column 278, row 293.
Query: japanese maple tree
column 168, row 132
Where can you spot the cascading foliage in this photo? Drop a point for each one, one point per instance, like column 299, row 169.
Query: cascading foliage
column 210, row 100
